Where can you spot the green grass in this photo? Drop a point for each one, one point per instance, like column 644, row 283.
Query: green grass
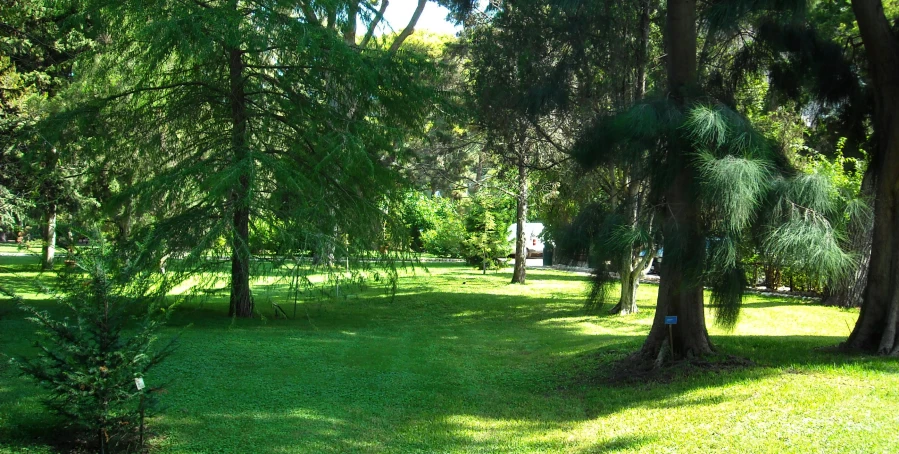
column 460, row 362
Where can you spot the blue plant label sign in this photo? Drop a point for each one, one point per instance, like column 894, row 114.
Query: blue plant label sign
column 671, row 320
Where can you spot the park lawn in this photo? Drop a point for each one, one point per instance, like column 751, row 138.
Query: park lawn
column 460, row 362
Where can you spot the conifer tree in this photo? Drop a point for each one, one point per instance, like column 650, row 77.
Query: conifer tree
column 710, row 180
column 258, row 115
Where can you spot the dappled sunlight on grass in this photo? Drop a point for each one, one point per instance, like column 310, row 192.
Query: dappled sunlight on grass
column 458, row 362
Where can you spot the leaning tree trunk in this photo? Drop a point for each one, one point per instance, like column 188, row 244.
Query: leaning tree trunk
column 631, row 268
column 521, row 215
column 876, row 329
column 241, row 300
column 48, row 249
column 680, row 289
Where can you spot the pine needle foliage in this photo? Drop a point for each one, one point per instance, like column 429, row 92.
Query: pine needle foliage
column 807, row 224
column 738, row 173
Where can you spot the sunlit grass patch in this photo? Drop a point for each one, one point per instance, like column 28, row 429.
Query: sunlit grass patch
column 459, row 362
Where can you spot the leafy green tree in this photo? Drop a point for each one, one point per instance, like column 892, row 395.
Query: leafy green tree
column 800, row 80
column 856, row 85
column 517, row 68
column 485, row 242
column 435, row 225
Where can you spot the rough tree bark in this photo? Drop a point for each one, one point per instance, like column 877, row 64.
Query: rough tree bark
column 241, row 300
column 680, row 290
column 521, row 215
column 876, row 329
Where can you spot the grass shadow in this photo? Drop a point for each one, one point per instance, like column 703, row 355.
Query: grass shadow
column 487, row 367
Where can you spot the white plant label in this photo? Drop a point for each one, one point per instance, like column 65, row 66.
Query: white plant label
column 139, row 382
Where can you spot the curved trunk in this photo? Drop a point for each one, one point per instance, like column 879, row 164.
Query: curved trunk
column 241, row 300
column 521, row 215
column 876, row 329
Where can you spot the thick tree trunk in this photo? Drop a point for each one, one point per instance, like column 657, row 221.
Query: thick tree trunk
column 521, row 215
column 48, row 246
column 876, row 329
column 680, row 289
column 241, row 300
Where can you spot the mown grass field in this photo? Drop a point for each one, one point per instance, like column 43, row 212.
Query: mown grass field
column 459, row 362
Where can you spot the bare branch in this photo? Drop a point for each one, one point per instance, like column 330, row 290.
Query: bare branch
column 374, row 24
column 410, row 27
column 308, row 12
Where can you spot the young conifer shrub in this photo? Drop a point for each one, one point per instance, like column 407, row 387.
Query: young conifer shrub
column 90, row 356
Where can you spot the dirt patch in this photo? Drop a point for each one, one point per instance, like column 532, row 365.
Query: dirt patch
column 637, row 370
column 611, row 368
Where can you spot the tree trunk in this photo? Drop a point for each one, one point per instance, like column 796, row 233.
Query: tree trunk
column 521, row 216
column 630, row 282
column 48, row 247
column 241, row 300
column 876, row 329
column 125, row 220
column 632, row 264
column 680, row 289
column 410, row 27
column 646, row 8
column 631, row 268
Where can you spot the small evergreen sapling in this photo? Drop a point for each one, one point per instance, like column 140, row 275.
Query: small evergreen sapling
column 89, row 359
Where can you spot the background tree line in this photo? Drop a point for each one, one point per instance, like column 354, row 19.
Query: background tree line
column 733, row 137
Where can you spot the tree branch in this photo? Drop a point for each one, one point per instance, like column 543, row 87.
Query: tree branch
column 374, row 24
column 410, row 27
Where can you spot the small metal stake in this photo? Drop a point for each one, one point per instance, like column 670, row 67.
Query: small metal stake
column 671, row 340
column 671, row 320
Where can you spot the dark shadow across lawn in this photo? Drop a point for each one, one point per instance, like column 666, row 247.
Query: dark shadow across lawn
column 422, row 371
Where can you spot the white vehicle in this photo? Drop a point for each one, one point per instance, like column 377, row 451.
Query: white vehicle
column 533, row 244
